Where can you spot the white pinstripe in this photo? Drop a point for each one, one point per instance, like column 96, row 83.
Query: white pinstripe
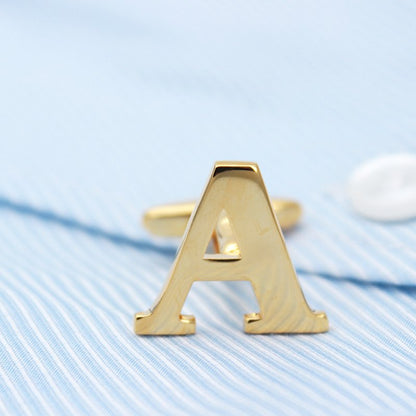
column 44, row 371
column 368, row 238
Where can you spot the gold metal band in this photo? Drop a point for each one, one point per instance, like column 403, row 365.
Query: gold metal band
column 171, row 220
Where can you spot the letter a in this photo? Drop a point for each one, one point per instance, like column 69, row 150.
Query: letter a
column 235, row 195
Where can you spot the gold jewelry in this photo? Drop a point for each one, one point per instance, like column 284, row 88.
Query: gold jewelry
column 248, row 245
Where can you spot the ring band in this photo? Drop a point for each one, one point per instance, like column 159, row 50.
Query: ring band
column 170, row 220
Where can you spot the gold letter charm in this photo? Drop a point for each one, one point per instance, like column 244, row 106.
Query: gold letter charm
column 249, row 246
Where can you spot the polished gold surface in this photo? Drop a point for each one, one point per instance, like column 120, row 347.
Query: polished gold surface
column 171, row 220
column 248, row 245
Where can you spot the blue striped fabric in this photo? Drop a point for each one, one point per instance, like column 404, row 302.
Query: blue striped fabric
column 108, row 107
column 344, row 245
column 67, row 345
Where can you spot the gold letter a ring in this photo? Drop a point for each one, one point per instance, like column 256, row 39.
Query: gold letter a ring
column 248, row 245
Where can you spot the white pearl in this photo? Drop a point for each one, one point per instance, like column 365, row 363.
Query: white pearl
column 384, row 189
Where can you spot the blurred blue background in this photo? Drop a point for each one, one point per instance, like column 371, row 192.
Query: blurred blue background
column 131, row 102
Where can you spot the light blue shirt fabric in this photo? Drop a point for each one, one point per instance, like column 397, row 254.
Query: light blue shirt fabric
column 109, row 107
